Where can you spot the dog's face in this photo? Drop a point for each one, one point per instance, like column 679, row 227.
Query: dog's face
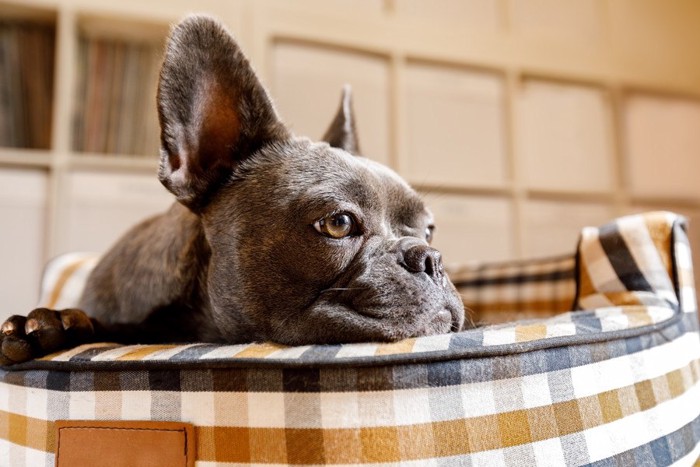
column 310, row 243
column 322, row 246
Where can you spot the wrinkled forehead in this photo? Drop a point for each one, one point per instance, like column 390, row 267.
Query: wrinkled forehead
column 391, row 186
column 366, row 183
column 308, row 172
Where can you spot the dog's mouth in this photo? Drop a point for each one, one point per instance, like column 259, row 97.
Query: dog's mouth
column 404, row 309
column 440, row 318
column 359, row 313
column 376, row 298
column 443, row 318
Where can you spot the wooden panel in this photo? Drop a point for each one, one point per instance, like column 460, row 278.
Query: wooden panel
column 455, row 131
column 340, row 7
column 23, row 214
column 662, row 141
column 307, row 83
column 653, row 39
column 472, row 228
column 102, row 206
column 564, row 137
column 572, row 20
column 553, row 228
column 484, row 15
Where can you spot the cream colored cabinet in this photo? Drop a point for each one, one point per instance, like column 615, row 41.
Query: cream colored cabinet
column 520, row 121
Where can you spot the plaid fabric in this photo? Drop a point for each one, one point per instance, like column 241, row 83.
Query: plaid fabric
column 628, row 262
column 64, row 278
column 614, row 384
column 502, row 292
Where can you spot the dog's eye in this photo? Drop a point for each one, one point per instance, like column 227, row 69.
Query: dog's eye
column 429, row 233
column 338, row 225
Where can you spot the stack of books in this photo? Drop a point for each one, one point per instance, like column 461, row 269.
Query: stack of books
column 115, row 109
column 26, row 84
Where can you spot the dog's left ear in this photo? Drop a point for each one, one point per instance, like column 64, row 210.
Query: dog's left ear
column 214, row 113
column 342, row 133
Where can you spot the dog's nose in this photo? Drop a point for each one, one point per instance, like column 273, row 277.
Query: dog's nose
column 422, row 258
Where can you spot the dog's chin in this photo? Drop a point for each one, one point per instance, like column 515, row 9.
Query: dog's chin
column 407, row 305
column 346, row 319
column 405, row 321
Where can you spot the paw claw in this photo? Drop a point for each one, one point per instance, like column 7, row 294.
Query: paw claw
column 14, row 326
column 8, row 328
column 78, row 326
column 31, row 326
column 73, row 319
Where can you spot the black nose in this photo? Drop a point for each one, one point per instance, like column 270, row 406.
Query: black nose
column 422, row 258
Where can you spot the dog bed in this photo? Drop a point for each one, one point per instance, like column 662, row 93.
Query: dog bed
column 595, row 360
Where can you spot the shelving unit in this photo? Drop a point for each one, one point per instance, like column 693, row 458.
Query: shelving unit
column 27, row 52
column 521, row 121
column 52, row 209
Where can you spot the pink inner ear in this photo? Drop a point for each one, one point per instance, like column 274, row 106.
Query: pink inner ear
column 174, row 161
column 216, row 126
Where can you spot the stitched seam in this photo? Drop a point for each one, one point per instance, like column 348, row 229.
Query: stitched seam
column 186, row 443
column 116, row 428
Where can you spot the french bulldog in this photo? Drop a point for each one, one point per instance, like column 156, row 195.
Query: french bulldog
column 273, row 237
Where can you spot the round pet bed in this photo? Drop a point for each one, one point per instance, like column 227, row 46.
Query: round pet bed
column 593, row 358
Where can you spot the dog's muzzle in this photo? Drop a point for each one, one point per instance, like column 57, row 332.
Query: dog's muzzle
column 424, row 259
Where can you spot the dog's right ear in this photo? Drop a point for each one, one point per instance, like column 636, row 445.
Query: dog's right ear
column 213, row 111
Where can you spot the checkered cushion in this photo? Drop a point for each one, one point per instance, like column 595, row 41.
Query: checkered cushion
column 601, row 368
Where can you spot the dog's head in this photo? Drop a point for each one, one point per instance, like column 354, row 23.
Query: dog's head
column 310, row 243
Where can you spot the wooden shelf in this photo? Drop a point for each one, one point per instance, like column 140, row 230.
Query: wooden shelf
column 570, row 195
column 23, row 11
column 471, row 190
column 127, row 28
column 33, row 158
column 113, row 162
column 665, row 203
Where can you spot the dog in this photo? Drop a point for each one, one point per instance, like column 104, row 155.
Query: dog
column 273, row 237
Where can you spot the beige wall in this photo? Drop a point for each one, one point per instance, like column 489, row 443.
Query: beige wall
column 521, row 120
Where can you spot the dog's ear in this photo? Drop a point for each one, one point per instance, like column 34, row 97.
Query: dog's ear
column 342, row 133
column 213, row 111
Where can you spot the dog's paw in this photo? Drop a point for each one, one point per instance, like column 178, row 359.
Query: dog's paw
column 41, row 332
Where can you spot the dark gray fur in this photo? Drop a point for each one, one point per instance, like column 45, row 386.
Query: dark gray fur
column 238, row 258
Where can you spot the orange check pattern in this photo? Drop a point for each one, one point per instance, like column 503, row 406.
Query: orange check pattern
column 602, row 367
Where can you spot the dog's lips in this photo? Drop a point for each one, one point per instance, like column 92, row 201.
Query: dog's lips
column 379, row 298
column 441, row 315
column 357, row 312
column 452, row 316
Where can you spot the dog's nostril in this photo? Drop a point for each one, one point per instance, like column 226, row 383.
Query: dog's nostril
column 429, row 265
column 422, row 258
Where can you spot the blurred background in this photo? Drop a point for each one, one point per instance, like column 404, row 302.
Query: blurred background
column 520, row 120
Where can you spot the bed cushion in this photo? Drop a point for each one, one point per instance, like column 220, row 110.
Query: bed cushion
column 594, row 359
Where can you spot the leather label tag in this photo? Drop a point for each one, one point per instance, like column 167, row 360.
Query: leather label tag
column 125, row 443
